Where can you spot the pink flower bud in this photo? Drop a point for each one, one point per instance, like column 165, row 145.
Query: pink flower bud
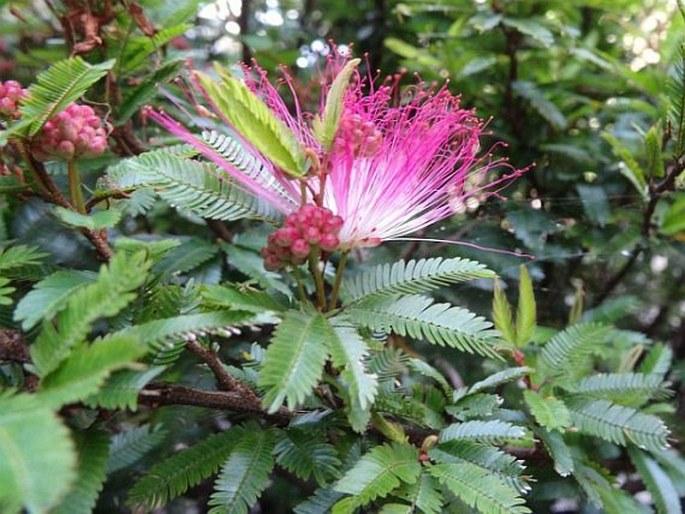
column 300, row 248
column 329, row 242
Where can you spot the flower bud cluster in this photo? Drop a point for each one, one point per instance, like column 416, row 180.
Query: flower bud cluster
column 307, row 227
column 362, row 137
column 10, row 94
column 74, row 132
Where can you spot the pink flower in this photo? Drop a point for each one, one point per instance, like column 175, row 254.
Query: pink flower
column 394, row 167
column 75, row 132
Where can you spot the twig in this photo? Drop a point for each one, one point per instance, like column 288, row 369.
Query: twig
column 223, row 377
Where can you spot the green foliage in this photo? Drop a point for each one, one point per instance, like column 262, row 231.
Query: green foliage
column 94, row 221
column 187, row 468
column 501, row 315
column 349, row 352
column 129, row 446
column 49, row 296
column 85, row 370
column 294, row 359
column 525, row 313
column 37, row 457
column 658, row 483
column 630, row 389
column 113, row 290
column 618, row 424
column 121, row 389
column 93, row 451
column 304, row 455
column 325, row 128
column 376, row 474
column 490, row 432
column 245, row 473
column 548, row 411
column 186, row 184
column 255, row 121
column 417, row 316
column 412, row 277
column 567, row 353
column 64, row 82
column 478, row 488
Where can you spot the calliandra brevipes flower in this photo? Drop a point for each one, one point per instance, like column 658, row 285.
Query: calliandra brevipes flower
column 388, row 163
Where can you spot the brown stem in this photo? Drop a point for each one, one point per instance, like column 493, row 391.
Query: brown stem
column 223, row 377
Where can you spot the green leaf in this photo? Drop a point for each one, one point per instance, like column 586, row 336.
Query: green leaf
column 492, row 381
column 629, row 167
column 675, row 89
column 37, row 456
column 129, row 446
column 294, row 359
column 618, row 424
column 567, row 352
column 595, row 203
column 557, row 449
column 548, row 411
column 113, row 290
column 532, row 28
column 349, row 352
column 673, row 220
column 135, row 51
column 478, row 488
column 174, row 475
column 659, row 484
column 630, row 389
column 425, row 495
column 187, row 184
column 377, row 473
column 418, row 317
column 121, row 389
column 49, row 296
column 658, row 360
column 245, row 474
column 321, row 502
column 5, row 292
column 538, row 101
column 93, row 451
column 653, row 144
column 241, row 298
column 304, row 454
column 525, row 313
column 488, row 432
column 95, row 221
column 19, row 256
column 501, row 315
column 87, row 368
column 63, row 83
column 411, row 277
column 149, row 87
column 506, row 467
column 325, row 128
column 250, row 116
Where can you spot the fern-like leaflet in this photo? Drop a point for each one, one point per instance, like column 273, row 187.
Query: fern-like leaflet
column 412, row 277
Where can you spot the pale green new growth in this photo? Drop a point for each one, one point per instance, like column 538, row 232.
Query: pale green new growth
column 325, row 128
column 525, row 313
column 250, row 116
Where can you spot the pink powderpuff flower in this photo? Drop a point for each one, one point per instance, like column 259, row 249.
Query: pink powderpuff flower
column 398, row 162
column 11, row 94
column 75, row 132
